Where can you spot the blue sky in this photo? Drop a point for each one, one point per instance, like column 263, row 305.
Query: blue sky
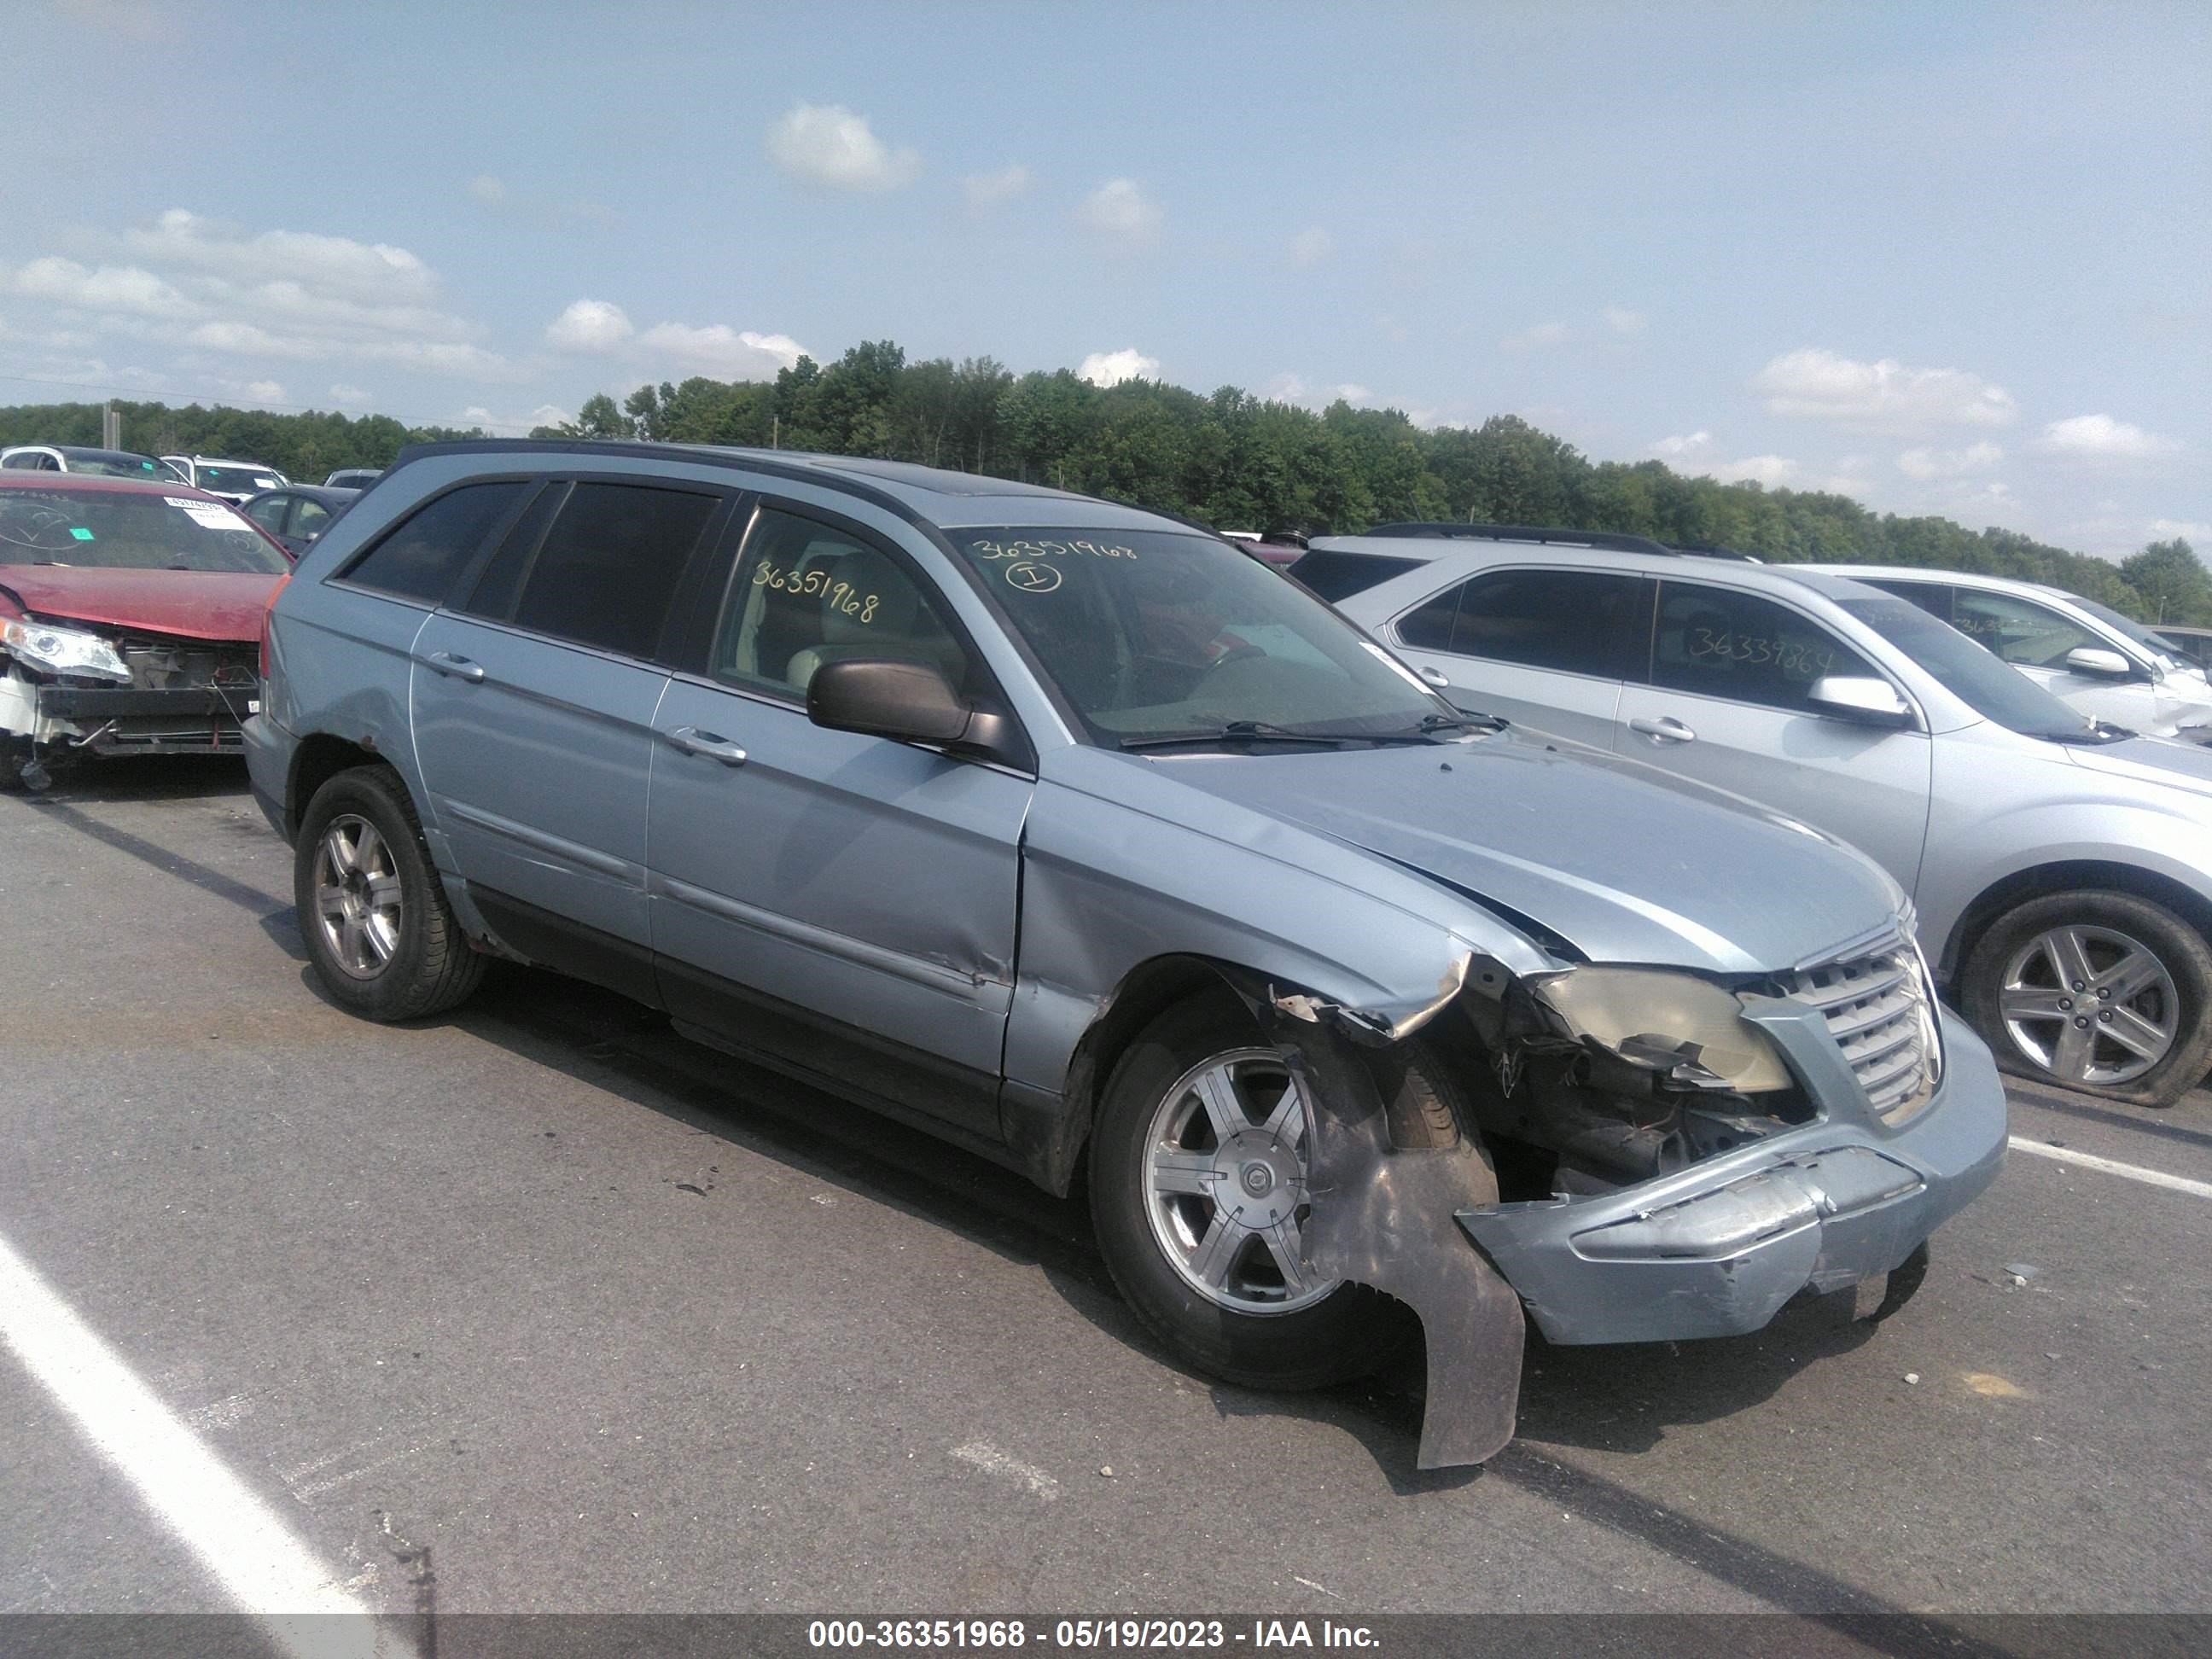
column 1948, row 258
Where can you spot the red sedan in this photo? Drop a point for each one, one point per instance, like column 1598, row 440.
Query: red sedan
column 130, row 620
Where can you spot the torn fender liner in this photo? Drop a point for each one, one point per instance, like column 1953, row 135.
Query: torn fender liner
column 1383, row 1217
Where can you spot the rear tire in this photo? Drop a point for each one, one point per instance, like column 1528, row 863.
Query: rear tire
column 372, row 909
column 1231, row 1311
column 2099, row 991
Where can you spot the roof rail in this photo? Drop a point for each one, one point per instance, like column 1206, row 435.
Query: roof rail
column 1611, row 539
column 1710, row 550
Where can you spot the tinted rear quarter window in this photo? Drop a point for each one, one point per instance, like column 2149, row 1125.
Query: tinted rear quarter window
column 1576, row 621
column 1332, row 575
column 1934, row 598
column 421, row 558
column 606, row 572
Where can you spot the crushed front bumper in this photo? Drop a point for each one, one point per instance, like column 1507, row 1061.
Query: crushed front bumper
column 133, row 721
column 1717, row 1249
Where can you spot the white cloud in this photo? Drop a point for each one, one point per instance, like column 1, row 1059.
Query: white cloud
column 1768, row 470
column 827, row 145
column 488, row 189
column 1311, row 246
column 347, row 395
column 1288, row 388
column 114, row 288
column 589, row 325
column 2101, row 438
column 1120, row 209
column 1108, row 367
column 2190, row 530
column 1826, row 386
column 1621, row 321
column 1683, row 444
column 989, row 189
column 1950, row 463
column 266, row 392
column 370, row 272
column 721, row 350
column 1537, row 337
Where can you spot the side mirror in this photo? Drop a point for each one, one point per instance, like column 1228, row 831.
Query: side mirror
column 909, row 700
column 1860, row 698
column 2098, row 663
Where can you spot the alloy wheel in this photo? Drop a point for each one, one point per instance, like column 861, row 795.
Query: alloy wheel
column 2089, row 1005
column 358, row 904
column 1224, row 1183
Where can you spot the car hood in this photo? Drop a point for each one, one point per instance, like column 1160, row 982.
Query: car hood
column 200, row 604
column 2154, row 760
column 1625, row 869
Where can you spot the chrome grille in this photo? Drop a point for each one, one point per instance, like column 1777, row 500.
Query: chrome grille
column 1880, row 1009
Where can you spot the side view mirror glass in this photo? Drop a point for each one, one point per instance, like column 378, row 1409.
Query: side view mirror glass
column 1861, row 698
column 883, row 698
column 2096, row 660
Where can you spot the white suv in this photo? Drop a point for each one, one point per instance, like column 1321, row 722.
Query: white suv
column 235, row 481
column 2062, row 869
column 2088, row 654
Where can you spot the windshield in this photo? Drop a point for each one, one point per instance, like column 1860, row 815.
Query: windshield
column 1152, row 635
column 1978, row 678
column 237, row 480
column 126, row 530
column 2133, row 629
column 114, row 464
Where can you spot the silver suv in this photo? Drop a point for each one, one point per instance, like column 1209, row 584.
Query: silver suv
column 2086, row 654
column 2062, row 869
column 1080, row 837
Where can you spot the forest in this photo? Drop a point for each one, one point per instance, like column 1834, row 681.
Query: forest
column 1229, row 459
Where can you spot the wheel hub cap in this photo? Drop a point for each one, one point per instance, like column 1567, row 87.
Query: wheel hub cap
column 358, row 909
column 1225, row 1184
column 2089, row 1005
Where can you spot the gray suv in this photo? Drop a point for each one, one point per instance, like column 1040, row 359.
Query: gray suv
column 2062, row 867
column 1091, row 843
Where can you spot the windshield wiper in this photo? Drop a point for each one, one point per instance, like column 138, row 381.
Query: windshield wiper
column 1462, row 723
column 1238, row 732
column 2096, row 732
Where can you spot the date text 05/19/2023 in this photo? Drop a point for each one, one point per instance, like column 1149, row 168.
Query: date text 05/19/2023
column 1085, row 1635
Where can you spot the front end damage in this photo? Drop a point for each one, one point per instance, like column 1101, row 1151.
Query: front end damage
column 70, row 691
column 1640, row 1154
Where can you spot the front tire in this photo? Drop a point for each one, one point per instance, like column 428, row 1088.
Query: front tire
column 1198, row 1167
column 383, row 940
column 2099, row 991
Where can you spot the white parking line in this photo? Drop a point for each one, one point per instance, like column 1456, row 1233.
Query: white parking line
column 2112, row 1166
column 250, row 1552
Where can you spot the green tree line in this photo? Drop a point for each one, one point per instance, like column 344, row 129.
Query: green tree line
column 1231, row 460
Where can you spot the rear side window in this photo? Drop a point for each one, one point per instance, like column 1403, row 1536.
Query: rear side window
column 420, row 559
column 1720, row 643
column 1934, row 598
column 1330, row 574
column 1574, row 622
column 606, row 572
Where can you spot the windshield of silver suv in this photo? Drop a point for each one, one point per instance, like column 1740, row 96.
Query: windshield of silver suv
column 1155, row 638
column 1976, row 677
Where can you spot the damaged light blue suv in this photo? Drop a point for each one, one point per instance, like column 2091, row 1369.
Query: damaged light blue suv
column 1086, row 841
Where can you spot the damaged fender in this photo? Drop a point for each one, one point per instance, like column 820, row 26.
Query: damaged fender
column 1382, row 1213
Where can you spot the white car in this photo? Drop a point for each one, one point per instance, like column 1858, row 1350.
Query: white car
column 2062, row 869
column 98, row 462
column 2085, row 653
column 235, row 481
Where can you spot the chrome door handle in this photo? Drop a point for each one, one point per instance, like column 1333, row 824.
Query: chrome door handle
column 692, row 741
column 1435, row 676
column 460, row 668
column 1665, row 729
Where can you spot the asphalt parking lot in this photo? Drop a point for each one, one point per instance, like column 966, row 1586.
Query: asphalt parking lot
column 539, row 1308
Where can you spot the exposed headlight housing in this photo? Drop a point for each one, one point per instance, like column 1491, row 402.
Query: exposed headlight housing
column 63, row 650
column 1650, row 1015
